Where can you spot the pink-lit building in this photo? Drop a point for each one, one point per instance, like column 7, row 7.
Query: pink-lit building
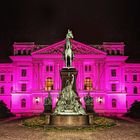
column 102, row 71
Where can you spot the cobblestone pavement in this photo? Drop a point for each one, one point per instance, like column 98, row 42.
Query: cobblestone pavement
column 123, row 131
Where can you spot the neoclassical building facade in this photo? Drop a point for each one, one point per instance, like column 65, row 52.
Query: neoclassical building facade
column 102, row 72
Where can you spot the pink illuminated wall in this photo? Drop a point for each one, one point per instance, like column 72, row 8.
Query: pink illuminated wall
column 112, row 80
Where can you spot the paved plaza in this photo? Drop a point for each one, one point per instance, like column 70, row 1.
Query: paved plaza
column 14, row 130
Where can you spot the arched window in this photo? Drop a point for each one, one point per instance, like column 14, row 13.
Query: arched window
column 88, row 83
column 49, row 84
column 23, row 103
column 114, row 103
column 135, row 90
column 2, row 90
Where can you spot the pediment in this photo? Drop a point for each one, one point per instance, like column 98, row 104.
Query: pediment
column 77, row 47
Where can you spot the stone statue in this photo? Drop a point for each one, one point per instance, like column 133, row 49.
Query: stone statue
column 68, row 54
column 48, row 100
column 88, row 99
column 48, row 103
column 68, row 103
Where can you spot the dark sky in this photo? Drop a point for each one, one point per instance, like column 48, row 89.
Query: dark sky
column 92, row 22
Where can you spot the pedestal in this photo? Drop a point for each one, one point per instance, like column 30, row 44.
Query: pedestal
column 47, row 108
column 69, row 120
column 66, row 74
column 89, row 108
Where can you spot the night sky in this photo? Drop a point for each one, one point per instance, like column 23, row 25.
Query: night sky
column 92, row 22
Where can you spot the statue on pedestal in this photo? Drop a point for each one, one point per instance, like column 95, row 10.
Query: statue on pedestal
column 69, row 110
column 88, row 99
column 68, row 53
column 89, row 103
column 68, row 103
column 48, row 103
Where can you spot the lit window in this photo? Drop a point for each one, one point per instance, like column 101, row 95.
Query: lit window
column 23, row 73
column 135, row 77
column 135, row 90
column 113, row 86
column 2, row 77
column 2, row 90
column 23, row 103
column 113, row 72
column 49, row 84
column 88, row 83
column 114, row 103
column 23, row 87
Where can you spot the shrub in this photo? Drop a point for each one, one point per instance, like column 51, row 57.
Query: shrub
column 4, row 111
column 102, row 121
column 36, row 121
column 134, row 110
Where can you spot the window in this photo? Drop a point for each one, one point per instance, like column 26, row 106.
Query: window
column 49, row 68
column 2, row 90
column 49, row 84
column 11, row 77
column 2, row 77
column 118, row 52
column 113, row 72
column 24, row 52
column 88, row 83
column 135, row 90
column 23, row 72
column 125, row 77
column 125, row 89
column 23, row 103
column 19, row 52
column 23, row 87
column 112, row 52
column 114, row 103
column 11, row 89
column 87, row 68
column 126, row 104
column 113, row 86
column 134, row 77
